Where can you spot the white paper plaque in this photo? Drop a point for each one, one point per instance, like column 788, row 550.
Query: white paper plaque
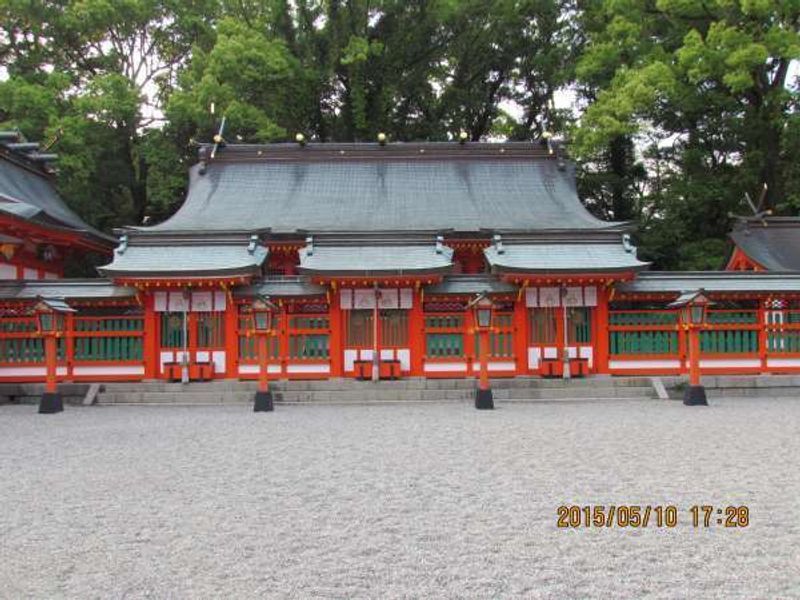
column 549, row 296
column 531, row 297
column 590, row 296
column 406, row 297
column 178, row 302
column 363, row 299
column 202, row 301
column 346, row 299
column 573, row 296
column 388, row 298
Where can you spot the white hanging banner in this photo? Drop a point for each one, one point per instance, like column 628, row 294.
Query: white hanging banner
column 388, row 298
column 346, row 299
column 363, row 299
column 160, row 301
column 573, row 296
column 549, row 297
column 202, row 301
column 178, row 302
column 590, row 296
column 219, row 301
column 406, row 297
column 531, row 297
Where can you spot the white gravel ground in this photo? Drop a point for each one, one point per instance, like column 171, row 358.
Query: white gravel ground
column 416, row 501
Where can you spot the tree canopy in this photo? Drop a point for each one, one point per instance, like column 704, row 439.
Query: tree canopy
column 679, row 106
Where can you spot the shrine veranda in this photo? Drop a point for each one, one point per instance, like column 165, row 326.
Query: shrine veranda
column 377, row 250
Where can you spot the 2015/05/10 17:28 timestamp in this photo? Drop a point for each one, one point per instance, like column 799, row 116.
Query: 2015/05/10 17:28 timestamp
column 640, row 516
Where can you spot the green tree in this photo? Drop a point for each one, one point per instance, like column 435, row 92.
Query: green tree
column 92, row 75
column 703, row 91
column 344, row 71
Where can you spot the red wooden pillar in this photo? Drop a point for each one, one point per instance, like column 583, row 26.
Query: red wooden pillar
column 231, row 339
column 50, row 358
column 763, row 338
column 683, row 347
column 283, row 341
column 521, row 334
column 561, row 347
column 470, row 350
column 694, row 356
column 416, row 324
column 600, row 333
column 483, row 381
column 335, row 338
column 263, row 363
column 150, row 337
column 69, row 344
column 191, row 347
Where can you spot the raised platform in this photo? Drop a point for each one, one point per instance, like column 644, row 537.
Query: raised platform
column 348, row 391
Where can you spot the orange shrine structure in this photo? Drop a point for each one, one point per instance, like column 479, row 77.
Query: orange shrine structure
column 372, row 254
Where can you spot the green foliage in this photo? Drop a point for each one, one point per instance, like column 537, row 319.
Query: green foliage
column 92, row 75
column 686, row 104
column 703, row 91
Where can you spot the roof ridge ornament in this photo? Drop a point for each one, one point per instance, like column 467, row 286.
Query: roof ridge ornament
column 310, row 246
column 251, row 247
column 759, row 211
column 123, row 244
column 628, row 244
column 219, row 140
column 497, row 239
column 439, row 244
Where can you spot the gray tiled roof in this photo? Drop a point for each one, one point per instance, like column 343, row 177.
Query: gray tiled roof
column 470, row 284
column 182, row 260
column 318, row 190
column 776, row 247
column 28, row 194
column 280, row 286
column 555, row 258
column 364, row 260
column 64, row 288
column 712, row 281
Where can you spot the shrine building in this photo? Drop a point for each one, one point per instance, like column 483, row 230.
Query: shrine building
column 376, row 250
column 39, row 234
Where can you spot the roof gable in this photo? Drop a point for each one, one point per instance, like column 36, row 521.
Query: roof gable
column 367, row 187
column 28, row 192
column 773, row 243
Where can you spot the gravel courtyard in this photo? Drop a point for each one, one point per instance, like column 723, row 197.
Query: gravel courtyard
column 399, row 501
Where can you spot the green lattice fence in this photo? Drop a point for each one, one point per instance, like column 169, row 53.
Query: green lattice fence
column 308, row 346
column 441, row 345
column 309, row 337
column 21, row 344
column 579, row 320
column 28, row 350
column 105, row 339
column 501, row 339
column 643, row 317
column 640, row 332
column 783, row 342
column 643, row 342
column 737, row 338
column 732, row 317
column 729, row 342
column 444, row 336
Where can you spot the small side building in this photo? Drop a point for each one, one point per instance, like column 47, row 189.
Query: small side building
column 765, row 244
column 38, row 231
